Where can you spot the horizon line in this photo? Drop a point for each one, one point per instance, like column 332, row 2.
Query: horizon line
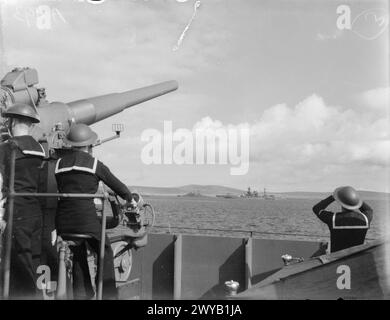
column 244, row 190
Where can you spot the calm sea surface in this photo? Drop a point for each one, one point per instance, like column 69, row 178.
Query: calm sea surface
column 280, row 219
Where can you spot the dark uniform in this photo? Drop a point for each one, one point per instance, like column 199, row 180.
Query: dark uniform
column 27, row 225
column 79, row 172
column 347, row 228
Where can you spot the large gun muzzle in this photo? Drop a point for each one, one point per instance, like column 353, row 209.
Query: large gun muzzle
column 95, row 109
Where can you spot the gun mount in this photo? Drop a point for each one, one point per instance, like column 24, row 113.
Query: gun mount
column 19, row 85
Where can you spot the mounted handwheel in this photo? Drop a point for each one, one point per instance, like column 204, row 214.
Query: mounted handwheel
column 138, row 220
column 123, row 260
column 148, row 217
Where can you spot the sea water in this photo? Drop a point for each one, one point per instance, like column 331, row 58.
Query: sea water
column 277, row 219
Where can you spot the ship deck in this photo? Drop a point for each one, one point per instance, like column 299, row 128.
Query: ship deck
column 180, row 266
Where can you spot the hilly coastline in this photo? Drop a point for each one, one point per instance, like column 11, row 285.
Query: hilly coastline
column 206, row 190
column 213, row 190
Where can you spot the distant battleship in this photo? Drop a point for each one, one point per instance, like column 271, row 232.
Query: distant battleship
column 249, row 194
column 255, row 194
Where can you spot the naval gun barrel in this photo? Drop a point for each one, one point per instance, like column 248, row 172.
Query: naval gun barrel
column 95, row 109
column 19, row 86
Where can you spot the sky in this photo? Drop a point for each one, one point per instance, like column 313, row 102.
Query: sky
column 313, row 90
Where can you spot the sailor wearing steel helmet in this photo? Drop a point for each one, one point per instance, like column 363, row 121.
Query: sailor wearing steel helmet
column 348, row 227
column 27, row 219
column 79, row 172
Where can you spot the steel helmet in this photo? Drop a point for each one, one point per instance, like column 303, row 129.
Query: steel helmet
column 22, row 110
column 80, row 135
column 348, row 198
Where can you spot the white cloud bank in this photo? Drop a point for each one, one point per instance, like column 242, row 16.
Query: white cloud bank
column 314, row 132
column 319, row 146
column 377, row 99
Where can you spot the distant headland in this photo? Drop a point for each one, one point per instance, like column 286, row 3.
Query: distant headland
column 194, row 190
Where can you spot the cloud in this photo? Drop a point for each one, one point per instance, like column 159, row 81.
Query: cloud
column 313, row 132
column 377, row 99
column 119, row 44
